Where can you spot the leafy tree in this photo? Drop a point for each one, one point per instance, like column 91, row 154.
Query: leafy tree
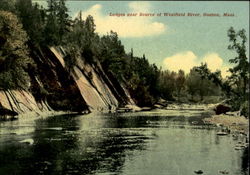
column 192, row 83
column 72, row 53
column 166, row 83
column 240, row 72
column 202, row 81
column 180, row 82
column 111, row 46
column 8, row 5
column 14, row 59
column 239, row 79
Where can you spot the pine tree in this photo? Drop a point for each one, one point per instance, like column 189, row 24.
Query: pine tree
column 14, row 59
column 63, row 19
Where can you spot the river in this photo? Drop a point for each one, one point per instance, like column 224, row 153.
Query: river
column 158, row 142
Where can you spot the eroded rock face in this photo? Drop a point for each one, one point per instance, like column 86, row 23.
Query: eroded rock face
column 13, row 102
column 85, row 88
column 51, row 82
column 97, row 89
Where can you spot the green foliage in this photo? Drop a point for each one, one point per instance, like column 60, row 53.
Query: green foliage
column 84, row 38
column 166, row 83
column 71, row 57
column 180, row 82
column 239, row 79
column 145, row 82
column 202, row 81
column 7, row 5
column 142, row 77
column 110, row 49
column 14, row 59
column 240, row 72
column 63, row 20
column 192, row 82
column 33, row 20
column 57, row 22
column 245, row 108
column 236, row 86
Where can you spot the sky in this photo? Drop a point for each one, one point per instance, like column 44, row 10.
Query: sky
column 171, row 42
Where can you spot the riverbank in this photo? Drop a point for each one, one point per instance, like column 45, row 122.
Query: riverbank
column 238, row 124
column 230, row 120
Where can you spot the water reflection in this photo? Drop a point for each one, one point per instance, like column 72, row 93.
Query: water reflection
column 130, row 143
column 245, row 162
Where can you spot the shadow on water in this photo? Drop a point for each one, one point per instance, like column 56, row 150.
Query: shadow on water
column 61, row 147
column 109, row 143
column 245, row 162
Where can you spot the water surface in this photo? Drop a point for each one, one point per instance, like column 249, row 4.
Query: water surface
column 147, row 143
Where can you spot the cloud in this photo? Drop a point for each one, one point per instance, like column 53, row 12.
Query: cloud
column 213, row 61
column 187, row 60
column 126, row 26
column 224, row 71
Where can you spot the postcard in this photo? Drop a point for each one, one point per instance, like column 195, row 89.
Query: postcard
column 124, row 87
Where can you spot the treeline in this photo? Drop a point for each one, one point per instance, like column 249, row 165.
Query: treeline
column 24, row 24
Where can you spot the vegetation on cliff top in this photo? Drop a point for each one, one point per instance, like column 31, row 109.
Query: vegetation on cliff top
column 146, row 82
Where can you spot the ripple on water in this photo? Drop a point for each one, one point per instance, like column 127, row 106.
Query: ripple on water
column 144, row 143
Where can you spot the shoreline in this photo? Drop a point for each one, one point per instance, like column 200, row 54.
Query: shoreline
column 235, row 124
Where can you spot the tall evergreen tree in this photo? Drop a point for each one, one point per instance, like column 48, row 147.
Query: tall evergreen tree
column 32, row 17
column 51, row 27
column 14, row 59
column 63, row 19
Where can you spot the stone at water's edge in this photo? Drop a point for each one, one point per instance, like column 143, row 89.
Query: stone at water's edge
column 222, row 109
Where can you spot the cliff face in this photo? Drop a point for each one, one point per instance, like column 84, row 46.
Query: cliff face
column 85, row 88
column 21, row 101
column 96, row 88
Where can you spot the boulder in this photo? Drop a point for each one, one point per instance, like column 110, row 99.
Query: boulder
column 222, row 109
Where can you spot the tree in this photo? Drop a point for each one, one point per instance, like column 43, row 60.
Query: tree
column 192, row 83
column 240, row 72
column 72, row 53
column 239, row 79
column 202, row 81
column 166, row 84
column 33, row 20
column 110, row 50
column 180, row 82
column 63, row 21
column 51, row 27
column 14, row 59
column 8, row 5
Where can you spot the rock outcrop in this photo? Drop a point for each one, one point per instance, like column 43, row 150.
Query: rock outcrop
column 98, row 90
column 14, row 102
column 53, row 87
